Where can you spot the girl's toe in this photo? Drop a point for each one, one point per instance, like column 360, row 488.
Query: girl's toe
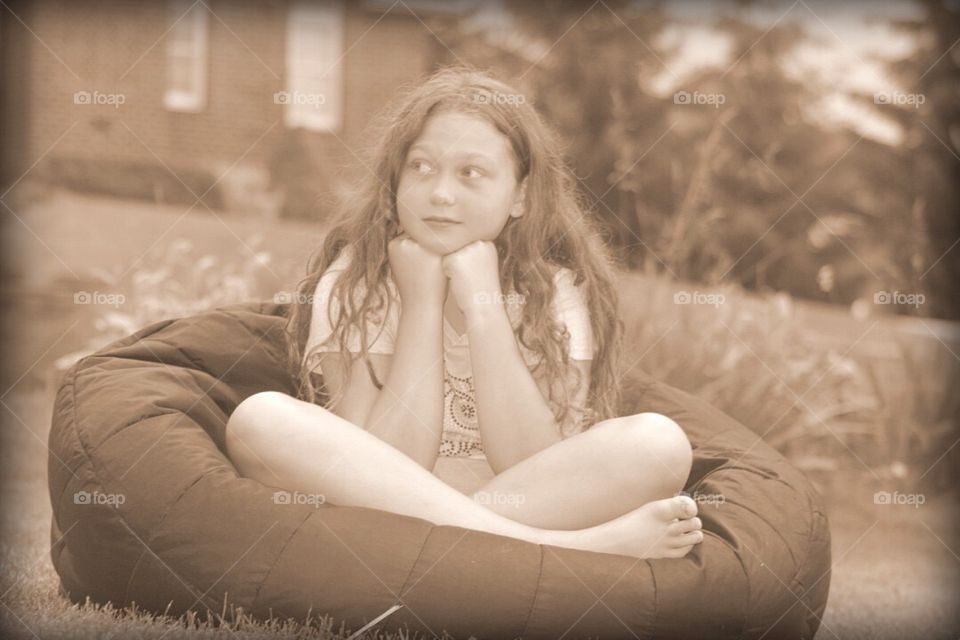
column 689, row 524
column 680, row 507
column 688, row 539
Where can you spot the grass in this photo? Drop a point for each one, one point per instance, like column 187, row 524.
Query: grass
column 894, row 572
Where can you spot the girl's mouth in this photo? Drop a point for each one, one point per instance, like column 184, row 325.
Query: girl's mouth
column 441, row 222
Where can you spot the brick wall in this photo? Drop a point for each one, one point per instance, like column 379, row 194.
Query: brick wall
column 117, row 46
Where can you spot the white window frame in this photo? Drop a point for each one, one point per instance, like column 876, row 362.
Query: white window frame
column 313, row 94
column 196, row 18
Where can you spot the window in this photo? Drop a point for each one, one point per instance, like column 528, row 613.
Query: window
column 312, row 97
column 187, row 57
column 426, row 6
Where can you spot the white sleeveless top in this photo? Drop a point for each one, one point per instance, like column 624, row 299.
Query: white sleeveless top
column 461, row 433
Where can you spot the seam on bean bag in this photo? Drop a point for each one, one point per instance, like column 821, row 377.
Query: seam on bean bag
column 712, row 437
column 746, row 577
column 80, row 464
column 808, row 538
column 196, row 365
column 806, row 552
column 786, row 543
column 240, row 321
column 147, row 547
column 416, row 561
column 806, row 547
column 236, row 317
column 166, row 411
column 73, row 472
column 276, row 561
column 536, row 592
column 656, row 599
column 282, row 360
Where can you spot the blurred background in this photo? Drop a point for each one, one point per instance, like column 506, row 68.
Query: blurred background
column 778, row 180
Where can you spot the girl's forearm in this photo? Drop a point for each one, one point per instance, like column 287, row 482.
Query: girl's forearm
column 408, row 411
column 514, row 418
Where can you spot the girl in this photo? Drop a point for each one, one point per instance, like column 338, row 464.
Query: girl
column 466, row 279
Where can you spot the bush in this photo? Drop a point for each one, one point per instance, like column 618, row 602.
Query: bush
column 748, row 356
column 174, row 282
column 134, row 180
column 296, row 170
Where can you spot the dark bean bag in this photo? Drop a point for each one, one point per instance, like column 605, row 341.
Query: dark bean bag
column 147, row 509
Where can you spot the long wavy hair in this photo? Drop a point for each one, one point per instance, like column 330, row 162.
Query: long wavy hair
column 553, row 232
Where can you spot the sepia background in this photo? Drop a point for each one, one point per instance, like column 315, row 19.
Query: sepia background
column 778, row 181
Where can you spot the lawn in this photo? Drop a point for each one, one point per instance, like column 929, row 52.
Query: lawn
column 894, row 573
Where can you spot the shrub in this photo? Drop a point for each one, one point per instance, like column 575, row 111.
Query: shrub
column 172, row 283
column 750, row 357
column 134, row 180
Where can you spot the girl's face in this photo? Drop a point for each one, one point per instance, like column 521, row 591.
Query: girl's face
column 458, row 183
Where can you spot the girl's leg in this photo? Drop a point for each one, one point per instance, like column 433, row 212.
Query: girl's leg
column 299, row 446
column 614, row 467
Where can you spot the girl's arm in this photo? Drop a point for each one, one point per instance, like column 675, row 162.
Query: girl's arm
column 513, row 414
column 407, row 412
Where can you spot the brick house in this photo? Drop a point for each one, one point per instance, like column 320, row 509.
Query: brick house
column 206, row 85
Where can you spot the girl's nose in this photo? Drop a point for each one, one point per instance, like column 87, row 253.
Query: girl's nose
column 442, row 194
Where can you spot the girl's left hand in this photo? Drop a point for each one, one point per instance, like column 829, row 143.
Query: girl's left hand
column 474, row 274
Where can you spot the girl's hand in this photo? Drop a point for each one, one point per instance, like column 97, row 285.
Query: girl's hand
column 417, row 272
column 474, row 273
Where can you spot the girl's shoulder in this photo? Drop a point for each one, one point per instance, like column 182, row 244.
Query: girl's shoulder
column 568, row 292
column 570, row 307
column 341, row 261
column 337, row 266
column 564, row 276
column 381, row 322
column 328, row 279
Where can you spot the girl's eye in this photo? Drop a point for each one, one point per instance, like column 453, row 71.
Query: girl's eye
column 472, row 172
column 419, row 166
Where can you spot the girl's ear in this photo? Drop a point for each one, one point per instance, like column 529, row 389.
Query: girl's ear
column 519, row 207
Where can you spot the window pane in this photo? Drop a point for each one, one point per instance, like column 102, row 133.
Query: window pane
column 313, row 67
column 186, row 49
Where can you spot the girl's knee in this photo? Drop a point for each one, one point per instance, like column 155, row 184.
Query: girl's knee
column 656, row 438
column 249, row 420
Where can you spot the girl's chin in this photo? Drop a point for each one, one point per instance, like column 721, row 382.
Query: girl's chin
column 441, row 246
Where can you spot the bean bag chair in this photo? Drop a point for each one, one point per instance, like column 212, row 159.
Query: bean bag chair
column 147, row 509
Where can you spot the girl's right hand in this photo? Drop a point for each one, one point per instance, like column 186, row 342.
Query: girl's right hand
column 417, row 272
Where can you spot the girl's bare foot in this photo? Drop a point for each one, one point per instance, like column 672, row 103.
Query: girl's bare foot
column 659, row 529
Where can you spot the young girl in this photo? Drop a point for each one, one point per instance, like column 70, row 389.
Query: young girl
column 481, row 304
